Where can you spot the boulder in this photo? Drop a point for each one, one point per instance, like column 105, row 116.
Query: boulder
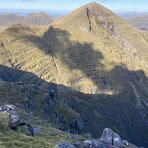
column 109, row 137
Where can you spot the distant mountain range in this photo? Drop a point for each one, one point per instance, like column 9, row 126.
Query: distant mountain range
column 130, row 14
column 94, row 61
column 141, row 21
column 33, row 19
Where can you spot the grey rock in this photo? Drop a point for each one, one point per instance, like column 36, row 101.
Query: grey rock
column 1, row 43
column 76, row 143
column 74, row 136
column 111, row 138
column 35, row 129
column 14, row 112
column 7, row 107
column 16, row 123
column 125, row 142
column 14, row 116
column 64, row 145
column 93, row 144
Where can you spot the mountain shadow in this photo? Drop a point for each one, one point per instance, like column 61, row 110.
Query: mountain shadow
column 84, row 57
column 125, row 110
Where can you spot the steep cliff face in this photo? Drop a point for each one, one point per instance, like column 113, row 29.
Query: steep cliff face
column 99, row 60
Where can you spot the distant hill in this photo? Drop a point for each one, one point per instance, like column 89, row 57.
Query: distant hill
column 98, row 62
column 141, row 22
column 34, row 19
column 129, row 14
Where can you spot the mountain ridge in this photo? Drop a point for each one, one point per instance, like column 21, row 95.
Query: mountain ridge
column 103, row 78
column 35, row 19
column 139, row 22
column 106, row 17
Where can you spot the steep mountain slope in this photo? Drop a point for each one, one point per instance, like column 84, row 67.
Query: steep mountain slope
column 141, row 22
column 36, row 108
column 99, row 59
column 35, row 19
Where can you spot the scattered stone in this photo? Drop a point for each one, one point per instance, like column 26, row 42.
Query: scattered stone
column 93, row 144
column 16, row 123
column 64, row 145
column 7, row 107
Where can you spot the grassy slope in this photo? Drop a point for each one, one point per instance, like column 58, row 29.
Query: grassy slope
column 92, row 62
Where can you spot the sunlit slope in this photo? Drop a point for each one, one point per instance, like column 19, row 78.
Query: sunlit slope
column 80, row 50
column 127, row 35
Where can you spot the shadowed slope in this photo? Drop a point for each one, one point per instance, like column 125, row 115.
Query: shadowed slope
column 125, row 112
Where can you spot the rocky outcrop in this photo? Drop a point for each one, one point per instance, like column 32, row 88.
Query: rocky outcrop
column 1, row 43
column 109, row 139
column 16, row 123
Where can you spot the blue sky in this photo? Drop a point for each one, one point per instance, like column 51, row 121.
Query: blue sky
column 118, row 5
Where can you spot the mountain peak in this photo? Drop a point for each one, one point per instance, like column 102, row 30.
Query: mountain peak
column 93, row 3
column 94, row 10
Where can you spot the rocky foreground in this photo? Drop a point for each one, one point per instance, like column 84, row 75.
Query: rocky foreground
column 109, row 139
